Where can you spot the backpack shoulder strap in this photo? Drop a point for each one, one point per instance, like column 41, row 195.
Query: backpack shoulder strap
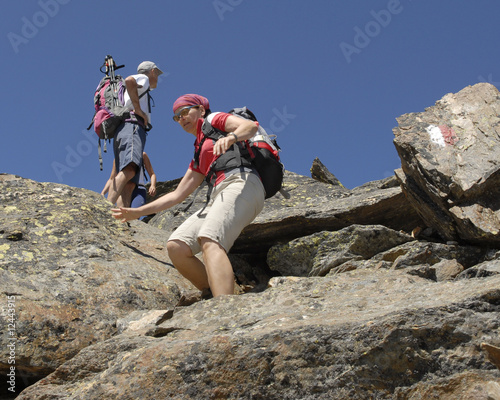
column 234, row 157
column 209, row 132
column 146, row 92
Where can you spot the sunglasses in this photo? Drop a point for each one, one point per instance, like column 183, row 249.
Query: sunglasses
column 182, row 113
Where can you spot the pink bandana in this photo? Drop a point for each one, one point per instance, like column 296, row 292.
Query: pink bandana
column 191, row 100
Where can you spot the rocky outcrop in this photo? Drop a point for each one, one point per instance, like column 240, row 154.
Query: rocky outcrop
column 73, row 272
column 320, row 173
column 378, row 292
column 450, row 157
column 313, row 207
column 362, row 334
column 319, row 253
column 362, row 246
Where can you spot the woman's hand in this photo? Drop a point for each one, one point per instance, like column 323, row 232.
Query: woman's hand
column 125, row 214
column 223, row 144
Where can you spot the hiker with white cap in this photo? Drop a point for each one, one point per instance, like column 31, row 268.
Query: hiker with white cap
column 130, row 137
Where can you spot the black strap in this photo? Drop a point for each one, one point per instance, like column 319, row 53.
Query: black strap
column 149, row 101
column 209, row 132
column 99, row 150
column 139, row 119
column 197, row 153
column 92, row 122
column 100, row 154
column 143, row 94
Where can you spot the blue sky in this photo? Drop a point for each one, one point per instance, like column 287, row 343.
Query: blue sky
column 328, row 77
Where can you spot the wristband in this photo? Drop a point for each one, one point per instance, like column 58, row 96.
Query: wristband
column 235, row 137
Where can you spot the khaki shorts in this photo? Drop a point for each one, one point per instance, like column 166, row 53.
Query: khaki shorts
column 235, row 203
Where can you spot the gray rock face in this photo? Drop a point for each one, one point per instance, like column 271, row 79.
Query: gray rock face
column 320, row 173
column 450, row 158
column 386, row 291
column 317, row 254
column 73, row 271
column 362, row 334
column 313, row 207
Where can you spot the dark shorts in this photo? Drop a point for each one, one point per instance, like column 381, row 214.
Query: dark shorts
column 128, row 147
column 138, row 197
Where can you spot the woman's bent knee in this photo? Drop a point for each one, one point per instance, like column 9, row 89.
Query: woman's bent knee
column 176, row 249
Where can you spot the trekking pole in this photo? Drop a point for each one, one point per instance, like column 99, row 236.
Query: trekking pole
column 111, row 64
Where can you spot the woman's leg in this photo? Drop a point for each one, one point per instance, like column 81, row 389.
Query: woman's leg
column 218, row 267
column 189, row 266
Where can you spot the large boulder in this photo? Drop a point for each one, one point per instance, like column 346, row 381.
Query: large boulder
column 101, row 313
column 312, row 207
column 72, row 271
column 450, row 156
column 364, row 334
column 372, row 246
column 317, row 254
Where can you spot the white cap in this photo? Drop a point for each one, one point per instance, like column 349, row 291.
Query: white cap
column 147, row 66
